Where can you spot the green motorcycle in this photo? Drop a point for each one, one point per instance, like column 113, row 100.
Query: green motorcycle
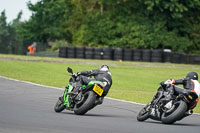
column 82, row 101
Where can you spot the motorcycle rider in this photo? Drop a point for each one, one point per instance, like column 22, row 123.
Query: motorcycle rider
column 102, row 74
column 190, row 83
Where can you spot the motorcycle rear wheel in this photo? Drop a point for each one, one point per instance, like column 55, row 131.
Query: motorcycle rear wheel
column 59, row 106
column 86, row 103
column 143, row 114
column 177, row 112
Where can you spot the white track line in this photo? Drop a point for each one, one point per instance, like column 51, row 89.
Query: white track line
column 31, row 83
column 63, row 89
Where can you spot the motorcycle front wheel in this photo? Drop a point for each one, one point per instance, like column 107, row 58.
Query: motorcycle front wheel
column 144, row 113
column 59, row 106
column 175, row 113
column 85, row 104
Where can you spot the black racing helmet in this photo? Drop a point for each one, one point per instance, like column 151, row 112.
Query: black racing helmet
column 192, row 75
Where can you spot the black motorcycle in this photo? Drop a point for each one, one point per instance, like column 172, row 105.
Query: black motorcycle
column 168, row 106
column 82, row 101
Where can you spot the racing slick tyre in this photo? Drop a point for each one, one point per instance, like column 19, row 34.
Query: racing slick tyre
column 143, row 114
column 59, row 106
column 175, row 113
column 85, row 104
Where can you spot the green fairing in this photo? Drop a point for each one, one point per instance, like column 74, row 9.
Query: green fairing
column 66, row 99
column 83, row 86
column 69, row 89
column 96, row 82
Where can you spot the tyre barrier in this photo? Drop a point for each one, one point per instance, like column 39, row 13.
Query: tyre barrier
column 175, row 57
column 196, row 59
column 166, row 56
column 89, row 53
column 107, row 53
column 193, row 59
column 146, row 55
column 157, row 55
column 98, row 53
column 128, row 55
column 137, row 55
column 183, row 58
column 71, row 52
column 178, row 58
column 118, row 54
column 62, row 52
column 80, row 52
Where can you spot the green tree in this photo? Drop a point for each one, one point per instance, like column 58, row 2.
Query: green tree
column 15, row 38
column 138, row 24
column 153, row 24
column 47, row 21
column 4, row 33
column 172, row 8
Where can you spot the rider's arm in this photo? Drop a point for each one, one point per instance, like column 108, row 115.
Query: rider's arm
column 89, row 73
column 94, row 72
column 179, row 81
column 85, row 73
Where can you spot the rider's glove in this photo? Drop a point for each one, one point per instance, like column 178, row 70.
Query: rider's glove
column 162, row 83
column 169, row 82
column 75, row 74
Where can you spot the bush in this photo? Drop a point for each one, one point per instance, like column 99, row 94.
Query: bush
column 58, row 43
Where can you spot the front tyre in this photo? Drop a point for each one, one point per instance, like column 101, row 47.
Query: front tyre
column 144, row 113
column 85, row 104
column 175, row 113
column 59, row 106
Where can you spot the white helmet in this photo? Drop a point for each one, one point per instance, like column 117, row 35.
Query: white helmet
column 104, row 68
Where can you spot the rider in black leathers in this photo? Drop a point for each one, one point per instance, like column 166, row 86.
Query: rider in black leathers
column 190, row 83
column 102, row 74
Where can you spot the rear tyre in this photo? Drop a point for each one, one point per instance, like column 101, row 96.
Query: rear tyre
column 144, row 113
column 175, row 113
column 59, row 106
column 85, row 104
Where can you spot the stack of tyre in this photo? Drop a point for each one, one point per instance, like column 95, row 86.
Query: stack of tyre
column 80, row 52
column 128, row 54
column 63, row 52
column 118, row 54
column 137, row 55
column 71, row 52
column 107, row 53
column 98, row 53
column 157, row 55
column 193, row 59
column 146, row 55
column 89, row 53
column 167, row 55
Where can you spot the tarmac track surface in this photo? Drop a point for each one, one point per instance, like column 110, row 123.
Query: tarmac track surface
column 28, row 108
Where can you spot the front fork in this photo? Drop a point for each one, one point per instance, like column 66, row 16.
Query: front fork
column 65, row 96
